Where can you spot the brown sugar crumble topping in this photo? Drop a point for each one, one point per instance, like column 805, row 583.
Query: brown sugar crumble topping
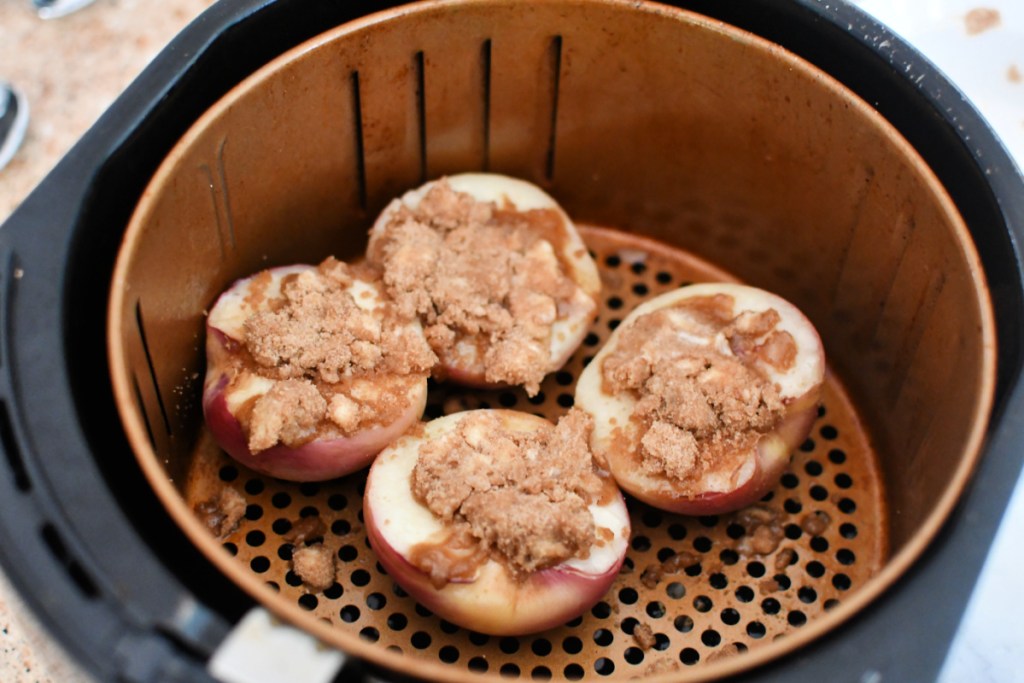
column 486, row 280
column 699, row 408
column 520, row 497
column 334, row 362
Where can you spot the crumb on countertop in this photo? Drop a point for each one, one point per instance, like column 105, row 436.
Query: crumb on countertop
column 981, row 19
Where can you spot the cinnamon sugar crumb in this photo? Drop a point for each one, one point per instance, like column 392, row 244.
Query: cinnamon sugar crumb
column 651, row 576
column 764, row 530
column 288, row 413
column 724, row 652
column 222, row 513
column 486, row 280
column 317, row 330
column 661, row 666
column 786, row 557
column 699, row 409
column 678, row 562
column 815, row 523
column 644, row 636
column 523, row 496
column 673, row 564
column 314, row 564
column 306, row 529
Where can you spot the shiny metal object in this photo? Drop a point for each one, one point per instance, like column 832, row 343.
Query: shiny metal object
column 53, row 9
column 13, row 121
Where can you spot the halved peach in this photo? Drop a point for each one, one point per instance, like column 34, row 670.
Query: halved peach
column 467, row 346
column 337, row 442
column 485, row 596
column 712, row 472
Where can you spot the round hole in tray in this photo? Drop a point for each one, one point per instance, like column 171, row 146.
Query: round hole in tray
column 783, row 176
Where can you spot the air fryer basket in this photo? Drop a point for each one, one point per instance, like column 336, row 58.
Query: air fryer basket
column 738, row 157
column 723, row 148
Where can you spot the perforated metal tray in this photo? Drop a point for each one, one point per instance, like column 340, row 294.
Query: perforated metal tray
column 829, row 510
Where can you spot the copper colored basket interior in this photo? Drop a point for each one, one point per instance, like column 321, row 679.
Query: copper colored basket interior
column 702, row 152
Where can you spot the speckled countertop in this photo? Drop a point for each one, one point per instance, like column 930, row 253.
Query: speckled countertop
column 70, row 69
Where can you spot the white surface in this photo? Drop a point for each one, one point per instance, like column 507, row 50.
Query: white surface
column 989, row 68
column 261, row 649
column 989, row 647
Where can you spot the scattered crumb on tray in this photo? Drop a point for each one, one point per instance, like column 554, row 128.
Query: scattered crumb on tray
column 786, row 557
column 661, row 666
column 314, row 564
column 724, row 652
column 306, row 529
column 653, row 573
column 644, row 636
column 222, row 513
column 764, row 530
column 815, row 523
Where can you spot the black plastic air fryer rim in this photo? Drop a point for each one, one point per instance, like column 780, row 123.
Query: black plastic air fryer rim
column 113, row 578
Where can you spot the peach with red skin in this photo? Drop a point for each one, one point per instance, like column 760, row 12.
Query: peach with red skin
column 319, row 459
column 467, row 367
column 492, row 602
column 616, row 437
column 772, row 458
